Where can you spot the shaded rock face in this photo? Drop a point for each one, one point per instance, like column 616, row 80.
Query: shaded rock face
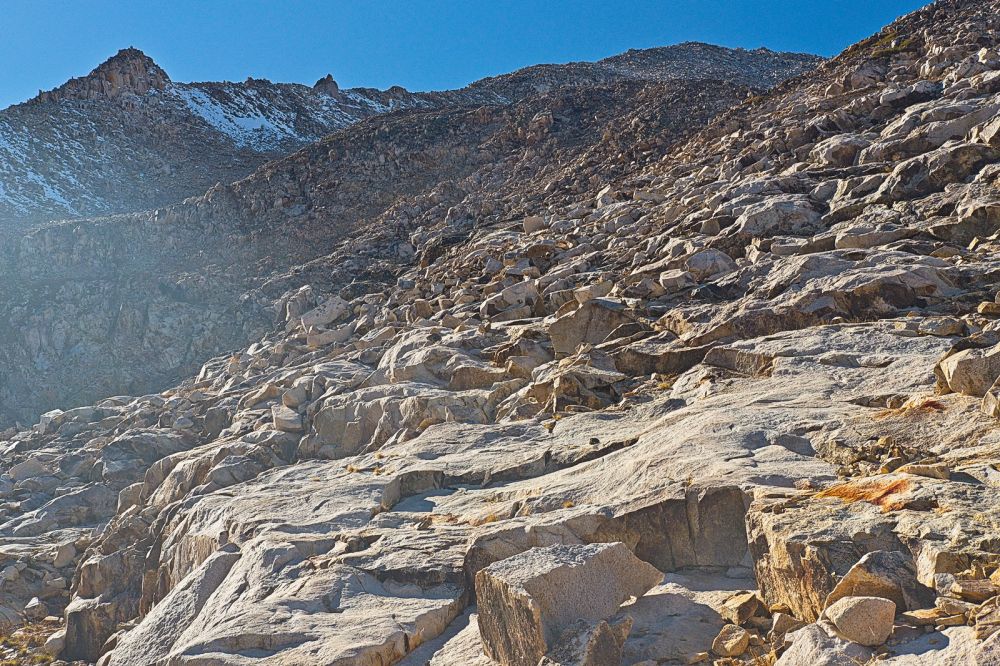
column 740, row 361
column 527, row 602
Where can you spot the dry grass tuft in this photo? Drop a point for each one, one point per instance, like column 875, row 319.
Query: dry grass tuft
column 925, row 405
column 20, row 648
column 880, row 492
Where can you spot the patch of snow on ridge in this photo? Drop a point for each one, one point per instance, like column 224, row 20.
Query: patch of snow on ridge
column 361, row 100
column 17, row 179
column 249, row 121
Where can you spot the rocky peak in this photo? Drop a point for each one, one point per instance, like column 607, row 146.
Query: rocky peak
column 128, row 71
column 327, row 85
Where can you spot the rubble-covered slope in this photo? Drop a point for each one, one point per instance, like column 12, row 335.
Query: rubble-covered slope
column 764, row 364
column 131, row 304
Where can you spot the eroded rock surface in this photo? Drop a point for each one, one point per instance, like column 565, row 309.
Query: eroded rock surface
column 761, row 366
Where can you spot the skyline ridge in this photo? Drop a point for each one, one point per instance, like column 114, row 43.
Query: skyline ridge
column 419, row 46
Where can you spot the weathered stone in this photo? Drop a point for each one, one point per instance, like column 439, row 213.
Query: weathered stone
column 533, row 223
column 930, row 172
column 286, row 419
column 991, row 401
column 839, row 151
column 591, row 323
column 55, row 643
column 676, row 280
column 814, row 646
column 922, row 617
column 740, row 608
column 864, row 620
column 785, row 215
column 64, row 555
column 938, row 471
column 732, row 641
column 975, row 590
column 782, row 624
column 36, row 609
column 971, row 371
column 887, row 574
column 329, row 311
column 707, row 264
column 28, row 469
column 586, row 644
column 526, row 601
column 987, row 619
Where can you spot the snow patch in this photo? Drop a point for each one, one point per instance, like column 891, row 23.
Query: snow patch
column 251, row 122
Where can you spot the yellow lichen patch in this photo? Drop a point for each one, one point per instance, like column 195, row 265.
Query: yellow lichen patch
column 489, row 518
column 768, row 658
column 443, row 519
column 883, row 493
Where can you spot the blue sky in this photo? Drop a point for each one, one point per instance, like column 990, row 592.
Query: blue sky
column 419, row 44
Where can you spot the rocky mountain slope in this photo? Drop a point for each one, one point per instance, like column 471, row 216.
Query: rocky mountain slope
column 125, row 137
column 732, row 400
column 131, row 304
column 759, row 68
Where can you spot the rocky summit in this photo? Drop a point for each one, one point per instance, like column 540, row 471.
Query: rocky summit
column 691, row 355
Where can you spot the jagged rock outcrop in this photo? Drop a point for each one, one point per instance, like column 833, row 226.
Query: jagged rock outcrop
column 730, row 356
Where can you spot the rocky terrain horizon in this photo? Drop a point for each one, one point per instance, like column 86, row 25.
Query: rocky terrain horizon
column 690, row 355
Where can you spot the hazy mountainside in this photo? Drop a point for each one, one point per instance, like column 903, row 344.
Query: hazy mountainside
column 606, row 388
column 130, row 304
column 125, row 137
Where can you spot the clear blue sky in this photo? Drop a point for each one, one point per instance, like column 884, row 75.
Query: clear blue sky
column 419, row 44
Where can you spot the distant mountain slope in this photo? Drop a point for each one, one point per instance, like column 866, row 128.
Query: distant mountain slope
column 757, row 68
column 130, row 303
column 126, row 137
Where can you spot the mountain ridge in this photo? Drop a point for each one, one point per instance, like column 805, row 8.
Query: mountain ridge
column 126, row 137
